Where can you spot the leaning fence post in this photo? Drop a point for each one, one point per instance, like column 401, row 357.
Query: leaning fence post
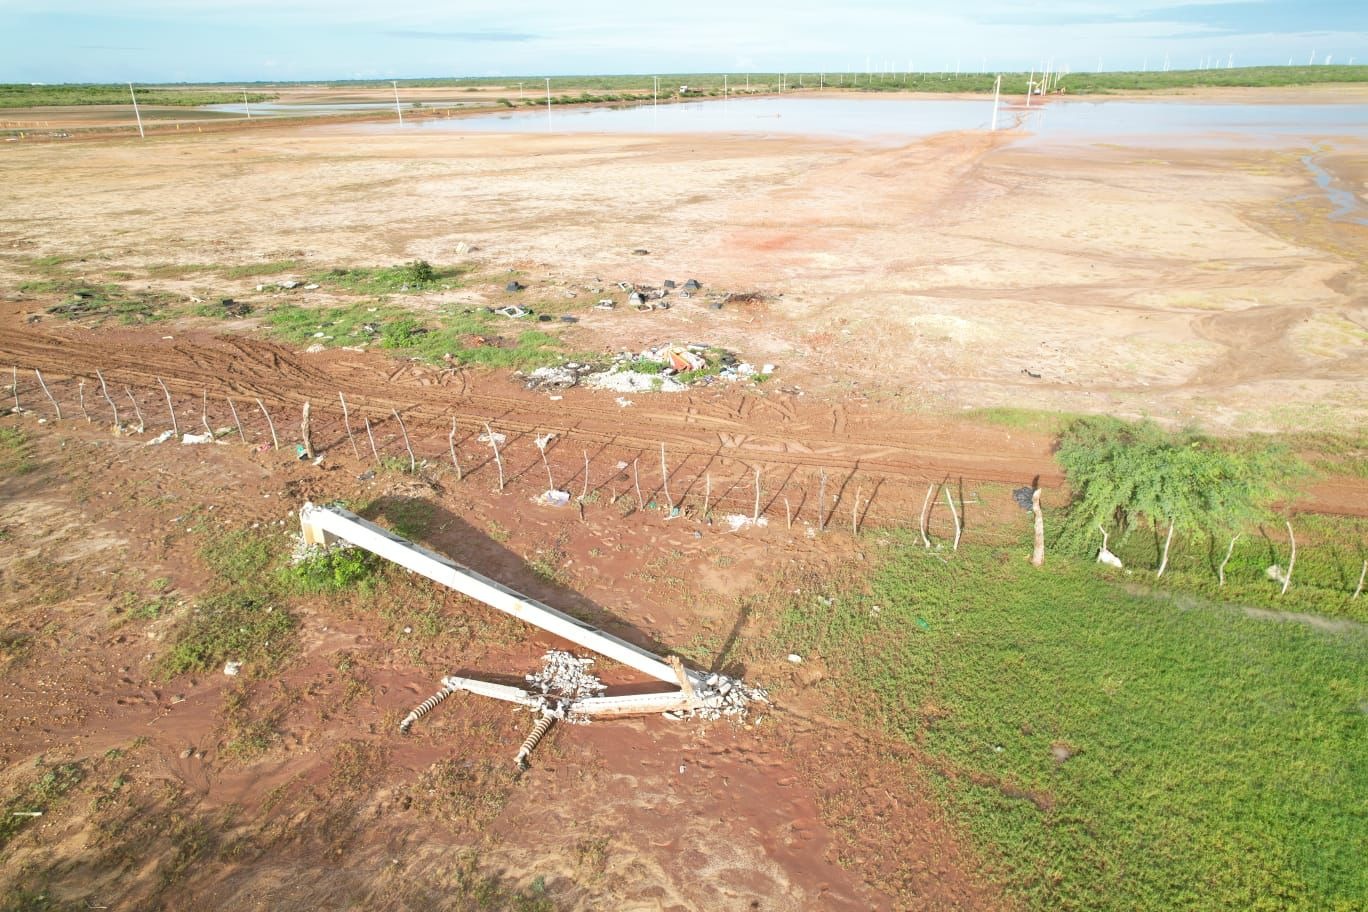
column 80, row 397
column 665, row 478
column 105, row 390
column 584, row 492
column 821, row 503
column 413, row 463
column 498, row 460
column 855, row 513
column 204, row 412
column 926, row 506
column 788, row 514
column 346, row 420
column 636, row 479
column 236, row 420
column 275, row 441
column 451, row 442
column 955, row 513
column 49, row 394
column 175, row 427
column 142, row 425
column 14, row 371
column 371, row 438
column 755, row 514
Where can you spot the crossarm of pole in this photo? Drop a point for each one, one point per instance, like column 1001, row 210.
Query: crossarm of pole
column 322, row 523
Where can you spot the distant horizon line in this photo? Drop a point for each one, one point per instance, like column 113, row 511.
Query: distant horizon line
column 646, row 76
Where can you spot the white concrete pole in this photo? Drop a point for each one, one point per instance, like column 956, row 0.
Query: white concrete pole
column 398, row 110
column 997, row 89
column 245, row 105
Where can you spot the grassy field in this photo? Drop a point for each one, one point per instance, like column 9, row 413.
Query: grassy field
column 13, row 95
column 1105, row 746
column 573, row 89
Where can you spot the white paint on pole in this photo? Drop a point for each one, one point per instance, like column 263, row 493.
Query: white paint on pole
column 246, row 105
column 398, row 110
column 136, row 113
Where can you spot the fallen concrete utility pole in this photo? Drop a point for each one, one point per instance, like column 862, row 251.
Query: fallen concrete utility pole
column 563, row 689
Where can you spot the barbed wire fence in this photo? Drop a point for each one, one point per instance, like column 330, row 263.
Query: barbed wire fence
column 739, row 491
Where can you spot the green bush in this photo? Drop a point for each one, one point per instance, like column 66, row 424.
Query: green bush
column 1126, row 474
column 335, row 569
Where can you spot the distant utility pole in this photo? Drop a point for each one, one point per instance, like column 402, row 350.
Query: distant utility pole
column 997, row 90
column 134, row 96
column 548, row 97
column 655, row 91
column 398, row 110
column 246, row 105
column 520, row 91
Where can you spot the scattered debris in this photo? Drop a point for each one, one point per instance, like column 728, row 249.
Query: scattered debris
column 795, row 658
column 232, row 669
column 512, row 311
column 492, row 437
column 739, row 521
column 692, row 285
column 514, row 286
column 312, row 286
column 161, row 438
column 552, row 498
column 1022, row 496
column 640, row 251
column 683, row 360
column 189, row 439
column 556, row 377
column 605, row 304
column 288, row 284
column 315, row 348
column 624, row 402
column 630, row 381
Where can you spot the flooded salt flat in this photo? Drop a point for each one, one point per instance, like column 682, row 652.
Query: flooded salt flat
column 1129, row 122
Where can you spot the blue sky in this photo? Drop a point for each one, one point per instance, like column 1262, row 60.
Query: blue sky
column 250, row 40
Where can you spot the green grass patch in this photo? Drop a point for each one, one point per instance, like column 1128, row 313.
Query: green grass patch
column 37, row 797
column 23, row 95
column 1044, row 422
column 1107, row 749
column 243, row 617
column 268, row 268
column 243, row 626
column 104, row 301
column 417, row 276
column 16, row 452
column 247, row 733
column 508, row 343
column 1330, row 555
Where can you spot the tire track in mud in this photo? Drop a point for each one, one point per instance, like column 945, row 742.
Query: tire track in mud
column 717, row 426
column 738, row 425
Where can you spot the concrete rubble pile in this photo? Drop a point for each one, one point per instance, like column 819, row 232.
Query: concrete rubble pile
column 726, row 696
column 563, row 678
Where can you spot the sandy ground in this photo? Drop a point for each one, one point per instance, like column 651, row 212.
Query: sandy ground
column 788, row 811
column 903, row 288
column 1200, row 285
